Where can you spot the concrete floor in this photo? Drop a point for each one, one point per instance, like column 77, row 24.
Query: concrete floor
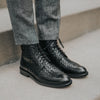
column 85, row 50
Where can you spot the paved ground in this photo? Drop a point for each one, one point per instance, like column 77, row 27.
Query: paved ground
column 85, row 50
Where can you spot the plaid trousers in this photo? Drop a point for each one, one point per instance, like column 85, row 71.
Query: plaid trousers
column 22, row 18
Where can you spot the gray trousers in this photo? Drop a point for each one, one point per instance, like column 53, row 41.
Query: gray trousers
column 22, row 18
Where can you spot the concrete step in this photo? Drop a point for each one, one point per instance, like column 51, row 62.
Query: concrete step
column 70, row 7
column 85, row 50
column 78, row 17
column 3, row 3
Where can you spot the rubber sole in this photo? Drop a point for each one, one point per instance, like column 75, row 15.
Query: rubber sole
column 78, row 75
column 28, row 74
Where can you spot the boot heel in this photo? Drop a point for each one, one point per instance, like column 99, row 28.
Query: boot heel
column 24, row 73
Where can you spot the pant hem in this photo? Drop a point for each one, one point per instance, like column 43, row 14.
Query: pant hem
column 27, row 43
column 48, row 38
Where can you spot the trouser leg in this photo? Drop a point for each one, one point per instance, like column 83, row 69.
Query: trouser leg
column 48, row 18
column 22, row 19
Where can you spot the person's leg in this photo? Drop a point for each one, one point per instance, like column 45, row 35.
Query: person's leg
column 34, row 62
column 22, row 18
column 48, row 22
column 48, row 19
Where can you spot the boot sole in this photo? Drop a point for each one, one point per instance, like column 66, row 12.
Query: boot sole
column 78, row 75
column 28, row 74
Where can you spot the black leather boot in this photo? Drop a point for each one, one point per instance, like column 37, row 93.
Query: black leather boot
column 58, row 57
column 35, row 64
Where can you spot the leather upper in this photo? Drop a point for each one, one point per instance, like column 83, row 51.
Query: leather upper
column 59, row 58
column 35, row 61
